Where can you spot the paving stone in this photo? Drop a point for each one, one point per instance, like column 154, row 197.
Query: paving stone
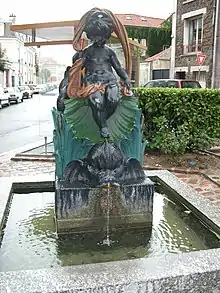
column 198, row 189
column 202, row 185
column 11, row 168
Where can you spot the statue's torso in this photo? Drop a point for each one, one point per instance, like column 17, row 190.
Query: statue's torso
column 98, row 68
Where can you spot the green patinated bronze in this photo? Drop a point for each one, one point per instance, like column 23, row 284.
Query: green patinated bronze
column 76, row 132
column 78, row 115
column 66, row 146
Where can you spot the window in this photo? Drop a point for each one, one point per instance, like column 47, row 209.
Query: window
column 160, row 83
column 194, row 34
column 190, row 84
column 149, row 84
column 172, row 84
column 180, row 75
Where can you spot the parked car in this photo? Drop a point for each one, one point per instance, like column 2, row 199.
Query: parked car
column 4, row 98
column 26, row 92
column 15, row 94
column 173, row 83
column 50, row 86
column 32, row 87
column 40, row 89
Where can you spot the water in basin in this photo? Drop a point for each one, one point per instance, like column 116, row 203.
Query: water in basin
column 30, row 240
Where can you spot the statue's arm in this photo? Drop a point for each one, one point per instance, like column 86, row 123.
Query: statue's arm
column 63, row 90
column 80, row 55
column 119, row 69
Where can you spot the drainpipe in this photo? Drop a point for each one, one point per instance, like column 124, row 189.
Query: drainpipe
column 216, row 20
column 173, row 42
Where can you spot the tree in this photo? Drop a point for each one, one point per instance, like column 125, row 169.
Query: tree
column 45, row 74
column 3, row 59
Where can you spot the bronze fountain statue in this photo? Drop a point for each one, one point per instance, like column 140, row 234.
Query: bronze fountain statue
column 99, row 83
column 98, row 137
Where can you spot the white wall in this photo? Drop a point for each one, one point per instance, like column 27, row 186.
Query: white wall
column 1, row 78
column 147, row 67
column 144, row 73
column 2, row 30
column 16, row 51
column 161, row 64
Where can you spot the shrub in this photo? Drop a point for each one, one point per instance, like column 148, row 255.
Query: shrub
column 177, row 120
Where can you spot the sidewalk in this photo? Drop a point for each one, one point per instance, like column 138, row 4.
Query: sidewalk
column 10, row 168
column 202, row 185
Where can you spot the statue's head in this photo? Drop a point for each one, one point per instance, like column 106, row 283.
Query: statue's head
column 99, row 28
column 99, row 24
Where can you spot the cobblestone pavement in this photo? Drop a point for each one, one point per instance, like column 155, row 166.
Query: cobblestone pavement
column 202, row 185
column 19, row 168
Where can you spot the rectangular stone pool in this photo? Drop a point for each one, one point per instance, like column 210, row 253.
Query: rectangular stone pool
column 182, row 254
column 30, row 240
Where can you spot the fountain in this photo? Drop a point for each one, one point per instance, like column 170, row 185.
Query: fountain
column 98, row 137
column 117, row 227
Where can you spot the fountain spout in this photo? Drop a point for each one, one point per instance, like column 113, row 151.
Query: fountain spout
column 111, row 188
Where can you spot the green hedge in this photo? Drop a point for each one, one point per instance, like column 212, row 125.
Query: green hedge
column 177, row 120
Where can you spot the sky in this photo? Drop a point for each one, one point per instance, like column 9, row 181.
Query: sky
column 31, row 11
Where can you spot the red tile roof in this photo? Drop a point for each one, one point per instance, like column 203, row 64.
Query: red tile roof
column 163, row 54
column 139, row 20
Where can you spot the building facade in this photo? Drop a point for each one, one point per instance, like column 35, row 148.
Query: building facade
column 56, row 70
column 21, row 58
column 196, row 31
column 155, row 67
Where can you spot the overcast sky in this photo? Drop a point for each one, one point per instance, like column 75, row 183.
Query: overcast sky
column 30, row 11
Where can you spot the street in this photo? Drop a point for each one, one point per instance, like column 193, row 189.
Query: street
column 27, row 122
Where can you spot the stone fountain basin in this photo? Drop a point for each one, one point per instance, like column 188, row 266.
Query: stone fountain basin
column 170, row 273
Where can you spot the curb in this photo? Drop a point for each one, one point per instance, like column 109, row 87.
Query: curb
column 9, row 154
column 173, row 169
column 32, row 159
column 213, row 153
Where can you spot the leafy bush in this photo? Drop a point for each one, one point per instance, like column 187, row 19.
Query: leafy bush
column 177, row 120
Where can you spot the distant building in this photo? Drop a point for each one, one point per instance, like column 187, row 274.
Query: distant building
column 155, row 67
column 135, row 20
column 56, row 70
column 196, row 27
column 21, row 58
column 139, row 20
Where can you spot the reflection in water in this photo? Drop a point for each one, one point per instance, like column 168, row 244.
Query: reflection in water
column 30, row 240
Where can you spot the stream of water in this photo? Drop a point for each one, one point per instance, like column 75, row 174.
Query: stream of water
column 107, row 241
